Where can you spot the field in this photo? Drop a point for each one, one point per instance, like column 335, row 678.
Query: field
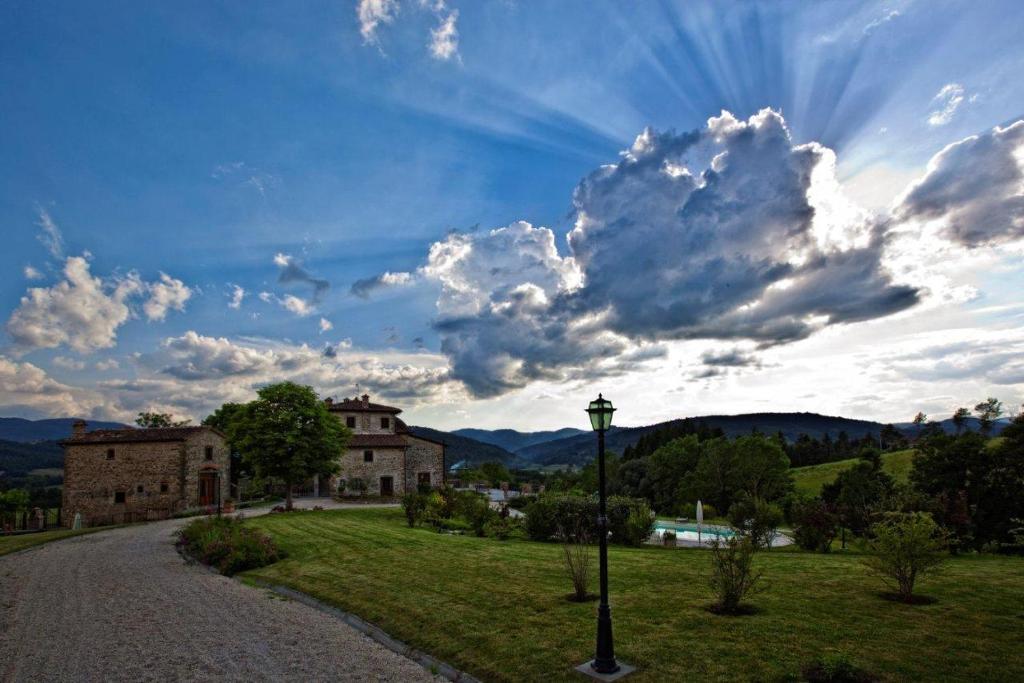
column 810, row 479
column 499, row 610
column 14, row 543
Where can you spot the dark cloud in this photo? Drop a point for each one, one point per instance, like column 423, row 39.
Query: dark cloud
column 734, row 358
column 365, row 287
column 974, row 186
column 292, row 272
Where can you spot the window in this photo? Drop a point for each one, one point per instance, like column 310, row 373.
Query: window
column 350, row 422
column 423, row 478
column 385, row 423
column 110, row 454
column 139, row 488
column 119, row 496
column 209, row 452
column 164, row 487
column 367, row 456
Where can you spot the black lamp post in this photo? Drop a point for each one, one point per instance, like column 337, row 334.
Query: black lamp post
column 604, row 664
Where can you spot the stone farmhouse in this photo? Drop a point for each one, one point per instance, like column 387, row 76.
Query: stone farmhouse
column 130, row 475
column 383, row 453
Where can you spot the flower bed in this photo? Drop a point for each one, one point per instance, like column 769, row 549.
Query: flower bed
column 228, row 546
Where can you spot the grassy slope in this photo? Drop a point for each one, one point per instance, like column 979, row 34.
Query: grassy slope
column 498, row 609
column 10, row 544
column 810, row 479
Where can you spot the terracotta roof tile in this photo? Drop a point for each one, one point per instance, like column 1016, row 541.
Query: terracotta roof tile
column 360, row 405
column 377, row 441
column 136, row 435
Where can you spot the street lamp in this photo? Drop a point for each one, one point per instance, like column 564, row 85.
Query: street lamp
column 603, row 665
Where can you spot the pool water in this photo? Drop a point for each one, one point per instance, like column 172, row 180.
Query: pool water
column 688, row 532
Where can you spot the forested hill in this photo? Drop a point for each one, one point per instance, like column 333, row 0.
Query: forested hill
column 580, row 449
column 463, row 448
column 54, row 429
column 514, row 441
column 18, row 459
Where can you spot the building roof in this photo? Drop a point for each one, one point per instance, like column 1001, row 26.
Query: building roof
column 359, row 404
column 130, row 435
column 378, row 441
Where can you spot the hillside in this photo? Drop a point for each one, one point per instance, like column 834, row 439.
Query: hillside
column 54, row 429
column 972, row 423
column 464, row 448
column 514, row 441
column 810, row 479
column 580, row 449
column 18, row 459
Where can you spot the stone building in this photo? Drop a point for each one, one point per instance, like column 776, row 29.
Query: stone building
column 129, row 475
column 383, row 453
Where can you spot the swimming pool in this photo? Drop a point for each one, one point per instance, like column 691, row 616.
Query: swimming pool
column 688, row 532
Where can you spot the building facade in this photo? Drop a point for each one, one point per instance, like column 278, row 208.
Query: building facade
column 112, row 476
column 383, row 453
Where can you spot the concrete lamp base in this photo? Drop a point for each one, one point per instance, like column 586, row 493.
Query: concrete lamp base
column 588, row 670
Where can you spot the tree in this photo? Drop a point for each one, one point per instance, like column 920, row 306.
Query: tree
column 158, row 421
column 960, row 419
column 222, row 418
column 287, row 433
column 904, row 548
column 891, row 438
column 988, row 412
column 756, row 519
column 762, row 468
column 815, row 524
column 732, row 573
column 857, row 493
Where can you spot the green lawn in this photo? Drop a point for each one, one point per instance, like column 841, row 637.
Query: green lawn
column 810, row 479
column 10, row 544
column 498, row 609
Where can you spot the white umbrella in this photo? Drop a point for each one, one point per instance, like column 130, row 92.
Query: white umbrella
column 700, row 518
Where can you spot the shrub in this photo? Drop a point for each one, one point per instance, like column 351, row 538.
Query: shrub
column 414, row 505
column 474, row 508
column 814, row 524
column 578, row 560
column 441, row 503
column 836, row 668
column 756, row 519
column 669, row 537
column 630, row 520
column 732, row 575
column 357, row 485
column 500, row 528
column 905, row 546
column 519, row 502
column 227, row 545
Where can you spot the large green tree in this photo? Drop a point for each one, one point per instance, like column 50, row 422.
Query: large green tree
column 288, row 434
column 159, row 421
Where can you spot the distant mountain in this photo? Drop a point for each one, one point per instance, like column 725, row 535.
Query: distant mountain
column 27, row 431
column 474, row 452
column 948, row 426
column 514, row 441
column 581, row 449
column 17, row 459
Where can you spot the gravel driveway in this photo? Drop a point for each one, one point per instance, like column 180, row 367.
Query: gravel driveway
column 123, row 605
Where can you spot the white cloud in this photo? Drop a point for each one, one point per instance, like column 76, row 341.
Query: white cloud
column 81, row 311
column 296, row 305
column 363, row 288
column 325, row 325
column 949, row 99
column 373, row 13
column 50, row 234
column 27, row 390
column 32, row 273
column 107, row 365
column 444, row 40
column 237, row 295
column 168, row 293
column 68, row 363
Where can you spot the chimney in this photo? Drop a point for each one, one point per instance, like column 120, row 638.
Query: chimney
column 366, row 400
column 329, row 401
column 77, row 428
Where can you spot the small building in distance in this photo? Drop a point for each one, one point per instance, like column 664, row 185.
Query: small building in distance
column 112, row 476
column 388, row 458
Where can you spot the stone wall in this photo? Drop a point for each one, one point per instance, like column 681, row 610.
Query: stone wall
column 141, row 471
column 387, row 462
column 424, row 456
column 367, row 423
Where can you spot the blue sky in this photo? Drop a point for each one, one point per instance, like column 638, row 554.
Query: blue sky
column 223, row 144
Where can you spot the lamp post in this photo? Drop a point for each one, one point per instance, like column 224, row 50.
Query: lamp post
column 604, row 665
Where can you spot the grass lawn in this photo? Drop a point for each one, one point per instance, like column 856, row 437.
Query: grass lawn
column 499, row 611
column 810, row 479
column 10, row 544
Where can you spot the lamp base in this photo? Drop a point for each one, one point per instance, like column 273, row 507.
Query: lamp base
column 587, row 669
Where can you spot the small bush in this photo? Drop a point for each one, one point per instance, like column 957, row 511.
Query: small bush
column 732, row 575
column 757, row 519
column 519, row 502
column 576, row 552
column 500, row 528
column 815, row 525
column 669, row 537
column 475, row 510
column 630, row 520
column 227, row 545
column 836, row 668
column 905, row 547
column 415, row 506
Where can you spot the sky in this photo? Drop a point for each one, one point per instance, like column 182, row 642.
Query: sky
column 487, row 213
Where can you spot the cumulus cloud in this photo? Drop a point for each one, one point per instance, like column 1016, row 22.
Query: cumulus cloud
column 444, row 40
column 372, row 13
column 298, row 306
column 363, row 288
column 325, row 325
column 237, row 295
column 974, row 187
column 727, row 232
column 83, row 311
column 949, row 99
column 166, row 294
column 49, row 234
column 27, row 390
column 107, row 365
column 68, row 363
